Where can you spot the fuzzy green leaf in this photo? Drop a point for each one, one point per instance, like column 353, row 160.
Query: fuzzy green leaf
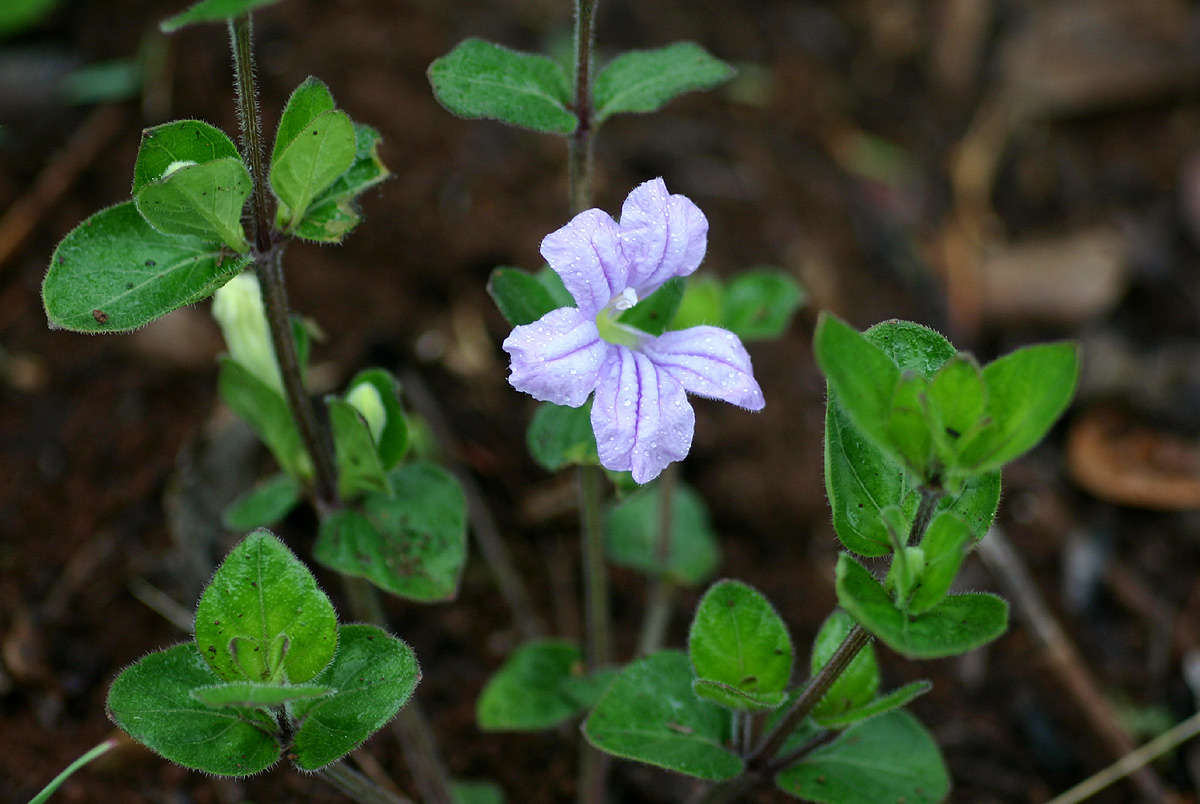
column 738, row 639
column 632, row 532
column 526, row 693
column 308, row 101
column 334, row 212
column 559, row 436
column 115, row 272
column 393, row 440
column 359, row 466
column 646, row 80
column 152, row 701
column 178, row 142
column 944, row 545
column 263, row 618
column 857, row 684
column 267, row 413
column 323, row 150
column 522, row 299
column 263, row 505
column 202, row 200
column 958, row 624
column 374, row 674
column 650, row 714
column 253, row 694
column 901, row 696
column 478, row 79
column 861, row 374
column 212, row 11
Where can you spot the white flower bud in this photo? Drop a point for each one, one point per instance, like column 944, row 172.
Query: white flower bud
column 365, row 398
column 238, row 309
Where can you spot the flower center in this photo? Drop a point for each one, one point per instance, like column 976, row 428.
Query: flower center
column 613, row 330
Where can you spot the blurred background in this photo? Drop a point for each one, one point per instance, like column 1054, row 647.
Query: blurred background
column 1002, row 170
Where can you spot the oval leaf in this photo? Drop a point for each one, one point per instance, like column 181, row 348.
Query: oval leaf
column 646, row 80
column 759, row 304
column 307, row 102
column 359, row 467
column 115, row 272
column 334, row 212
column 393, row 441
column 323, row 150
column 526, row 693
column 203, row 200
column 945, row 545
column 478, row 79
column 559, row 436
column 178, row 142
column 522, row 299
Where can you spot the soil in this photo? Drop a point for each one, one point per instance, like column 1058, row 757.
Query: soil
column 831, row 156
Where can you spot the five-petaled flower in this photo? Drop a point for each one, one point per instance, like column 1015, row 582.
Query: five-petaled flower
column 641, row 416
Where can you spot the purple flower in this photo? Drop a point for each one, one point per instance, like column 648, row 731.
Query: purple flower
column 641, row 416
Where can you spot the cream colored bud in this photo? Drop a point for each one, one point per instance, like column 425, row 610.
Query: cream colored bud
column 238, row 309
column 365, row 398
column 174, row 166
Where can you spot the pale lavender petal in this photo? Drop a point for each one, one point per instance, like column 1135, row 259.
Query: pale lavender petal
column 662, row 236
column 587, row 255
column 707, row 361
column 558, row 357
column 641, row 416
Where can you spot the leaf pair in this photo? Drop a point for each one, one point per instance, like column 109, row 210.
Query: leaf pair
column 267, row 648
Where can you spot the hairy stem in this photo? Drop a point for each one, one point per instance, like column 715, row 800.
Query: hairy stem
column 579, row 145
column 268, row 264
column 358, row 787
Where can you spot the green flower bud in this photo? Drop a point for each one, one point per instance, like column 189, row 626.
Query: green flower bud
column 238, row 309
column 365, row 398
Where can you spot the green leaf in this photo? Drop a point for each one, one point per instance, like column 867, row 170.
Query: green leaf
column 737, row 639
column 908, row 428
column 212, row 11
column 522, row 299
column 650, row 714
column 323, row 150
column 151, row 700
column 554, row 284
column 857, row 684
column 308, row 101
column 478, row 79
column 465, row 792
column 265, row 504
column 253, row 694
column 267, row 413
column 101, row 82
column 412, row 544
column 19, row 15
column 526, row 692
column 263, row 618
column 585, row 691
column 203, row 200
column 703, row 303
column 759, row 304
column 359, row 466
column 1027, row 390
column 559, row 436
column 334, row 212
column 889, row 758
column 646, row 80
column 177, row 142
column 631, row 536
column 393, row 441
column 114, row 272
column 653, row 313
column 957, row 399
column 861, row 374
column 374, row 674
column 959, row 623
column 736, row 698
column 944, row 545
column 895, row 699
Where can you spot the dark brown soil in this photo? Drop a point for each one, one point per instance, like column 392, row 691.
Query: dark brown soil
column 96, row 433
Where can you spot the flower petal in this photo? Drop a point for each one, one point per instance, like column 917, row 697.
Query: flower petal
column 662, row 236
column 557, row 358
column 587, row 255
column 641, row 416
column 707, row 361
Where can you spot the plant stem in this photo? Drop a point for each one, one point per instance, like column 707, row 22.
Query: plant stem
column 579, row 145
column 358, row 787
column 98, row 750
column 658, row 602
column 595, row 573
column 268, row 264
column 925, row 511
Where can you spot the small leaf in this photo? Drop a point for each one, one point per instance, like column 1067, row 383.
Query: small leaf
column 646, row 80
column 889, row 758
column 393, row 441
column 632, row 532
column 650, row 714
column 151, row 700
column 374, row 674
column 412, row 544
column 957, row 399
column 253, row 694
column 857, row 684
column 212, row 11
column 944, row 545
column 526, row 692
column 334, row 212
column 895, row 699
column 267, row 413
column 759, row 304
column 861, row 374
column 958, row 624
column 553, row 283
column 263, row 612
column 264, row 505
column 737, row 639
column 703, row 303
column 202, row 200
column 178, row 142
column 653, row 313
column 559, row 436
column 323, row 150
column 478, row 79
column 359, row 467
column 114, row 272
column 308, row 101
column 522, row 299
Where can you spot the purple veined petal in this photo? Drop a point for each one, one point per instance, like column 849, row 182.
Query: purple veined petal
column 641, row 416
column 662, row 236
column 558, row 357
column 708, row 361
column 586, row 254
